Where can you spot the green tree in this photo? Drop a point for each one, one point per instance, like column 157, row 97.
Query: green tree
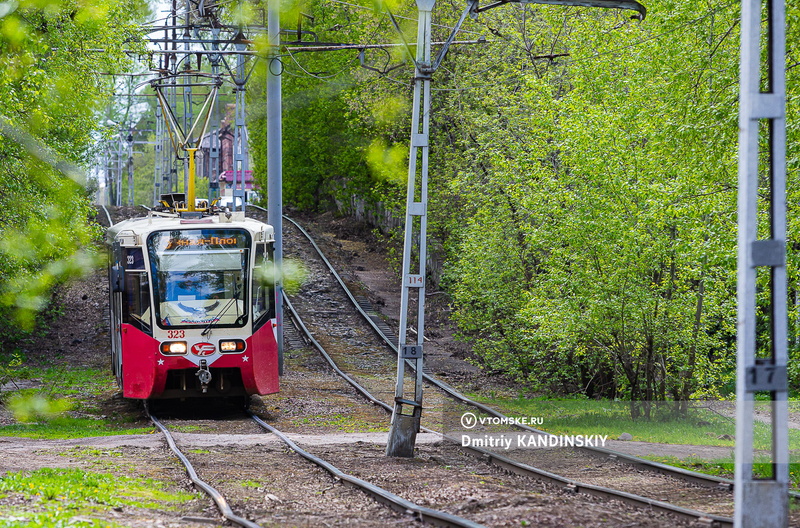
column 50, row 85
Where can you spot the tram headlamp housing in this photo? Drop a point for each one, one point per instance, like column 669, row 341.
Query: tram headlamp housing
column 174, row 348
column 231, row 346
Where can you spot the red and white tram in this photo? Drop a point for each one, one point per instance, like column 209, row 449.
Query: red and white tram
column 192, row 306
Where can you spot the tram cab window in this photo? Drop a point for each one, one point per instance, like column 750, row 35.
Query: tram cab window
column 199, row 277
column 136, row 308
column 263, row 284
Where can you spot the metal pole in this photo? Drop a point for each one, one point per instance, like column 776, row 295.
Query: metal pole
column 213, row 176
column 188, row 111
column 192, row 174
column 130, row 167
column 240, row 150
column 157, row 157
column 109, row 187
column 403, row 433
column 275, row 163
column 762, row 357
column 118, row 196
column 172, row 98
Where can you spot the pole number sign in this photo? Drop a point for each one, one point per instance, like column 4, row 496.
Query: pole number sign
column 765, row 378
column 411, row 351
column 415, row 281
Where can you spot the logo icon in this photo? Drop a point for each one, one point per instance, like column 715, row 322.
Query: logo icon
column 468, row 420
column 203, row 349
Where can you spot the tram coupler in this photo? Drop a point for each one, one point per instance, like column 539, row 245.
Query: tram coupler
column 204, row 375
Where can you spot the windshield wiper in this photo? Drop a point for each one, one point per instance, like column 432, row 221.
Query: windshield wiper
column 236, row 293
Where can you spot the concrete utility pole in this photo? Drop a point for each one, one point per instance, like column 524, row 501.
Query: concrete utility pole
column 158, row 161
column 275, row 163
column 407, row 412
column 761, row 358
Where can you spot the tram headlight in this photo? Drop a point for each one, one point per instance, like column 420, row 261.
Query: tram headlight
column 231, row 346
column 173, row 348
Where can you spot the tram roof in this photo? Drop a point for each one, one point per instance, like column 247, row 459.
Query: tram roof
column 145, row 225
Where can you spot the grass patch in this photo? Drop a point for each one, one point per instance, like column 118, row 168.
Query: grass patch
column 186, row 428
column 67, row 404
column 67, row 427
column 699, row 426
column 90, row 452
column 724, row 467
column 65, row 382
column 348, row 424
column 67, row 497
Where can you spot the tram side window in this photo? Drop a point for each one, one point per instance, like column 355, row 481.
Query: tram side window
column 263, row 279
column 136, row 308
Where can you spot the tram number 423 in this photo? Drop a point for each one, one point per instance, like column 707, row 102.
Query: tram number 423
column 412, row 351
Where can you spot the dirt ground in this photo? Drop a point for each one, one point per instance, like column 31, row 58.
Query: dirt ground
column 262, row 479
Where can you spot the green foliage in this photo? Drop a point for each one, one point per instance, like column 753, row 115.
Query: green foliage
column 598, row 252
column 34, row 407
column 293, row 275
column 344, row 136
column 45, row 64
column 582, row 183
column 66, row 496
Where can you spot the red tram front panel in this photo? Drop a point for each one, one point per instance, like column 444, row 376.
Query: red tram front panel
column 145, row 368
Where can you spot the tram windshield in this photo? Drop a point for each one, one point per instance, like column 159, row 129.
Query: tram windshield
column 200, row 277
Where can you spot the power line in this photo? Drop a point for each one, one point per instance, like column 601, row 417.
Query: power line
column 444, row 26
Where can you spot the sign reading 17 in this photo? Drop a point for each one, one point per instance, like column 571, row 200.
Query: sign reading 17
column 765, row 377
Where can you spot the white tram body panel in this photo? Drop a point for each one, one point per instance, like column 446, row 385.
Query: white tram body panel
column 193, row 306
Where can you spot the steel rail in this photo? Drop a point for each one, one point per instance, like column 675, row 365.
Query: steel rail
column 108, row 215
column 301, row 326
column 683, row 474
column 383, row 496
column 219, row 500
column 522, row 469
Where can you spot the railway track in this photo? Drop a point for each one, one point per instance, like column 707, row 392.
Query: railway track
column 356, row 361
column 672, row 480
column 409, row 510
